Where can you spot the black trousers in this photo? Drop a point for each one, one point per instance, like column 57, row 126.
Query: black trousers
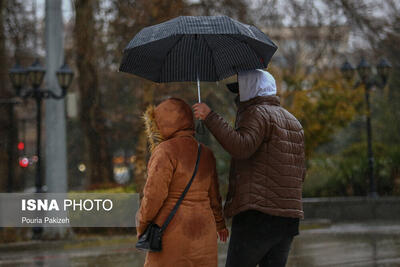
column 262, row 239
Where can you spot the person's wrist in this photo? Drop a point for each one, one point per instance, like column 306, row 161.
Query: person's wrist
column 208, row 115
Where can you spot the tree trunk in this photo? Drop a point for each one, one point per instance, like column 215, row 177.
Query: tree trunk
column 92, row 116
column 7, row 126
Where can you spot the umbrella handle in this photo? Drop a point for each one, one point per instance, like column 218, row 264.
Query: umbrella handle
column 198, row 89
column 200, row 129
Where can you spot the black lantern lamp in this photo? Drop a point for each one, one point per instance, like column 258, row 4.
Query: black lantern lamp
column 364, row 70
column 368, row 80
column 384, row 68
column 64, row 77
column 348, row 70
column 36, row 74
column 18, row 77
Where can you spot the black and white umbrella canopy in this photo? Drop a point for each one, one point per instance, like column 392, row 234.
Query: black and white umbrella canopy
column 196, row 48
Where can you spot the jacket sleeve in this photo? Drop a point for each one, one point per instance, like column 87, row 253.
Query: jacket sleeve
column 159, row 175
column 245, row 140
column 304, row 156
column 215, row 199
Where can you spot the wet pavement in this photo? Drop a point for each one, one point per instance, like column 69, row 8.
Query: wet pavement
column 367, row 244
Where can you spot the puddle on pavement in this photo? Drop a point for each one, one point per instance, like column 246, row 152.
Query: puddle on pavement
column 353, row 245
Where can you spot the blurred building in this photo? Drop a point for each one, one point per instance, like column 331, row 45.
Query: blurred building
column 316, row 46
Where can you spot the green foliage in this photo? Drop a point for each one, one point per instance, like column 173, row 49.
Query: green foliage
column 345, row 173
column 322, row 102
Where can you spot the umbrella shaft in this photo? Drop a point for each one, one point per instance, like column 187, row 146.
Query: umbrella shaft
column 198, row 89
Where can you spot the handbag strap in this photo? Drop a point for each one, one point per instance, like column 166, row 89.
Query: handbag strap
column 178, row 203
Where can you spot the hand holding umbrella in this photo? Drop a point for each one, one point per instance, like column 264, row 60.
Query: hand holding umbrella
column 201, row 111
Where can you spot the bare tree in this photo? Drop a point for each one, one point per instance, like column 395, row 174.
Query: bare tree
column 4, row 94
column 92, row 116
column 15, row 37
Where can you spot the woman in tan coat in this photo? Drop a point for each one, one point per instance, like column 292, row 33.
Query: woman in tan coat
column 191, row 237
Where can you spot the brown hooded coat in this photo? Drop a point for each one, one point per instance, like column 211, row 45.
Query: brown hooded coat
column 191, row 237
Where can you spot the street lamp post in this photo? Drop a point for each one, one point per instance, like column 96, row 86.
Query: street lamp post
column 35, row 74
column 368, row 80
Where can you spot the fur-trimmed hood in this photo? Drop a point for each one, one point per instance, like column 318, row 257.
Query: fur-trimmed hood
column 170, row 118
column 153, row 133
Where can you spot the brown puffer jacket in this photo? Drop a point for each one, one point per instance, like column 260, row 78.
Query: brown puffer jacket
column 267, row 149
column 191, row 237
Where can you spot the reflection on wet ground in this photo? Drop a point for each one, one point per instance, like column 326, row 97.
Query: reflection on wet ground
column 363, row 245
column 372, row 244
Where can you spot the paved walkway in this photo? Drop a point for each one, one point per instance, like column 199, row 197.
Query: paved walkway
column 373, row 244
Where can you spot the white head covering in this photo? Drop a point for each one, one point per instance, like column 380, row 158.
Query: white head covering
column 255, row 83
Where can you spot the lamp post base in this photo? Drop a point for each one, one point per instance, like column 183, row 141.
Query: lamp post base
column 37, row 233
column 373, row 194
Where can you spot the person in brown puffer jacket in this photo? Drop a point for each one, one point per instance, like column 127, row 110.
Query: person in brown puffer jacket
column 191, row 237
column 267, row 172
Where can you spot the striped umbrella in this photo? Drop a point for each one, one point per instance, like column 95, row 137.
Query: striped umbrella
column 196, row 48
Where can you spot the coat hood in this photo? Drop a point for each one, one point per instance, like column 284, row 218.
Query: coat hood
column 172, row 117
column 255, row 83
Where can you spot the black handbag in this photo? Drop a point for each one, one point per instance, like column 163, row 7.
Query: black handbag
column 151, row 239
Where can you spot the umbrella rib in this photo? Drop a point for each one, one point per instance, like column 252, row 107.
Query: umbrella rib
column 254, row 50
column 166, row 56
column 213, row 57
column 245, row 42
column 229, row 36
